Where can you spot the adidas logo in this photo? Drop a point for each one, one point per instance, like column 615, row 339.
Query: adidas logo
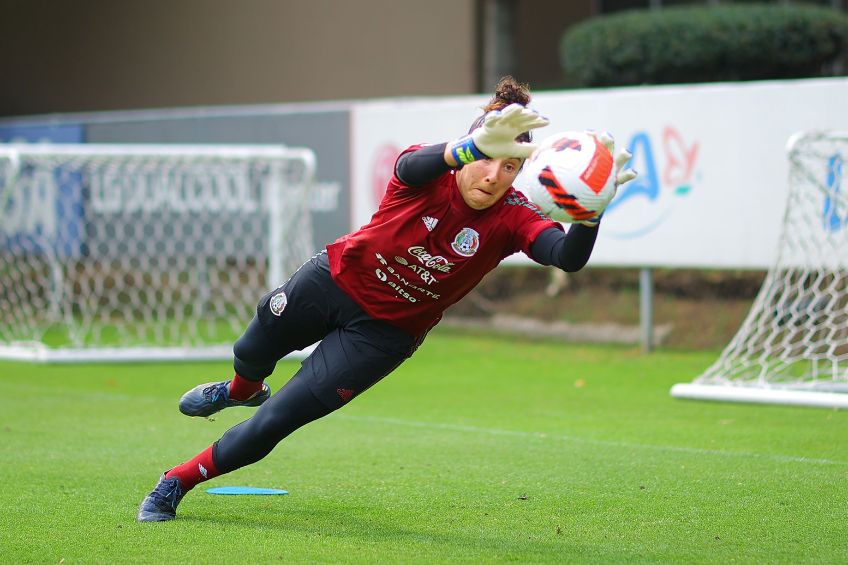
column 345, row 394
column 430, row 222
column 203, row 471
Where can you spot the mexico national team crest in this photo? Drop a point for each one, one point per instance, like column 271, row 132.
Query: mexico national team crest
column 278, row 303
column 466, row 242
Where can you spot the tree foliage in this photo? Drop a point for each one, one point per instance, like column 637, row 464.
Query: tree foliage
column 704, row 44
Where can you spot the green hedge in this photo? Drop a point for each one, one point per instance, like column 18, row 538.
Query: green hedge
column 703, row 44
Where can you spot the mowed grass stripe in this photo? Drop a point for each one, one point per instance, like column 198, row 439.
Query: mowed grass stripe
column 542, row 436
column 476, row 450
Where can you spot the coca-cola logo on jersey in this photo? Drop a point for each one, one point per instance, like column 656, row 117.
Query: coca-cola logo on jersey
column 435, row 262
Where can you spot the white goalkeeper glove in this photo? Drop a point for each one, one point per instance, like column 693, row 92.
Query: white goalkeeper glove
column 622, row 175
column 495, row 138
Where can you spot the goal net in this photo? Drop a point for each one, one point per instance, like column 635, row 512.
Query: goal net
column 793, row 346
column 144, row 252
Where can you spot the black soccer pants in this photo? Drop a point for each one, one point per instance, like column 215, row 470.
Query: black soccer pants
column 355, row 352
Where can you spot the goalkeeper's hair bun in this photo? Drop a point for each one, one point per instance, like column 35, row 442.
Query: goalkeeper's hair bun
column 507, row 91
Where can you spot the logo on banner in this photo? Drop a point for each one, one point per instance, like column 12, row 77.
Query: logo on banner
column 834, row 216
column 466, row 242
column 665, row 179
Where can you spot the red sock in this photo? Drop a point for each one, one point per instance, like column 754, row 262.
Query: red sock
column 199, row 469
column 242, row 388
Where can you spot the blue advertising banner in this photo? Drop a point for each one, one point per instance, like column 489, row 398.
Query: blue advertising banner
column 42, row 133
column 43, row 212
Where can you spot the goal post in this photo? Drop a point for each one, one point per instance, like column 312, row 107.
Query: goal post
column 144, row 252
column 793, row 346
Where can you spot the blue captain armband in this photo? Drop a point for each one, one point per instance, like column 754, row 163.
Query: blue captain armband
column 465, row 152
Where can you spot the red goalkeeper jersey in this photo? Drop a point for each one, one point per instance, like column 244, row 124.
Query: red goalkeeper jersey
column 424, row 249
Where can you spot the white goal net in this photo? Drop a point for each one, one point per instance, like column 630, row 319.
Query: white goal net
column 142, row 252
column 793, row 346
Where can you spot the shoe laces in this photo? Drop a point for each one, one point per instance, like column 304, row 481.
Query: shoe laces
column 170, row 491
column 216, row 392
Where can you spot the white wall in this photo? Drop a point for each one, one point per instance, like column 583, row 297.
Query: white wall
column 711, row 158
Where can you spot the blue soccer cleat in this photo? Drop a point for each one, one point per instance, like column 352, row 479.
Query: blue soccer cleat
column 206, row 399
column 161, row 504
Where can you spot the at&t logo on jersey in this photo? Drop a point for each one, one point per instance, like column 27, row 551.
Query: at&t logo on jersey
column 466, row 242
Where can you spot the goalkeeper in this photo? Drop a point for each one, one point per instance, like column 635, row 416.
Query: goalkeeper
column 449, row 216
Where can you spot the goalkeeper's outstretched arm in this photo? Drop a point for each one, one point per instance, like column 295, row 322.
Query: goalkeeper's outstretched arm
column 501, row 134
column 568, row 251
column 416, row 168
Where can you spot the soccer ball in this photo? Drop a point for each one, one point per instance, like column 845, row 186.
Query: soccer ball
column 570, row 177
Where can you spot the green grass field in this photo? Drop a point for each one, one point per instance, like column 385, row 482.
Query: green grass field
column 477, row 450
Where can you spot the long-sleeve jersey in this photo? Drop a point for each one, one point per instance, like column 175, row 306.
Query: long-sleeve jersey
column 425, row 248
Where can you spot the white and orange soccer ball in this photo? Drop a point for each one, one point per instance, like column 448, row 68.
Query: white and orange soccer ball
column 571, row 176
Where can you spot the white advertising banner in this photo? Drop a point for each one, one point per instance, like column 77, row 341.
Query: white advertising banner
column 712, row 163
